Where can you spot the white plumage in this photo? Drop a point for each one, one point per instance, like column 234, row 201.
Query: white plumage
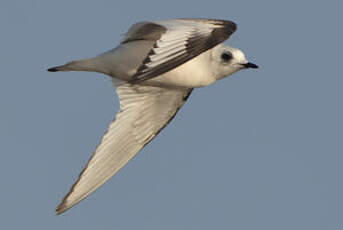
column 154, row 70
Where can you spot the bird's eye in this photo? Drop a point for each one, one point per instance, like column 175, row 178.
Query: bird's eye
column 226, row 56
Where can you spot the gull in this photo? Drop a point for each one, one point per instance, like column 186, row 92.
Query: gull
column 154, row 70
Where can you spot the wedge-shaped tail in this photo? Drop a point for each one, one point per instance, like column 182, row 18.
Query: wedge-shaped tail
column 91, row 64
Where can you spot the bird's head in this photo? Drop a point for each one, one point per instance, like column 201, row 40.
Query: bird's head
column 228, row 60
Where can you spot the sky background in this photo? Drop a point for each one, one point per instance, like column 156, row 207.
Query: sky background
column 259, row 150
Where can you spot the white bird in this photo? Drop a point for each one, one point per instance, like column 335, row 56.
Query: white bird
column 154, row 70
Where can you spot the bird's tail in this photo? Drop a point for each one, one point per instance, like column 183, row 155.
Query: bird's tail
column 91, row 64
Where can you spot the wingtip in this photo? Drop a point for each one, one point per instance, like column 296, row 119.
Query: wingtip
column 61, row 208
column 230, row 25
column 234, row 26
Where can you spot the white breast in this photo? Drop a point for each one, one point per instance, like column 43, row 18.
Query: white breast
column 196, row 72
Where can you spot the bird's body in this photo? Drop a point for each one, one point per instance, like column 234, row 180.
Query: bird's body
column 154, row 70
column 198, row 70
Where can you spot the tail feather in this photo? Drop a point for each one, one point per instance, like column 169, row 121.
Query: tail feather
column 59, row 68
column 53, row 69
column 91, row 64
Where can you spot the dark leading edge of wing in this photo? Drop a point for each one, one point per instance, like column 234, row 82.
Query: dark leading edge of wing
column 196, row 44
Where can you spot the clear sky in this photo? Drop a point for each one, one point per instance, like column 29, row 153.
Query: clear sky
column 259, row 150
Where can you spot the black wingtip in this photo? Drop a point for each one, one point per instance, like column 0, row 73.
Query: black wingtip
column 53, row 69
column 61, row 208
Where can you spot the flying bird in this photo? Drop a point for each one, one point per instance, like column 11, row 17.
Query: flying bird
column 154, row 70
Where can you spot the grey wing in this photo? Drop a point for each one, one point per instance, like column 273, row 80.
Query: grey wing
column 144, row 112
column 175, row 42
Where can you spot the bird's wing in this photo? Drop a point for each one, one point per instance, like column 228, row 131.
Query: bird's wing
column 175, row 42
column 144, row 112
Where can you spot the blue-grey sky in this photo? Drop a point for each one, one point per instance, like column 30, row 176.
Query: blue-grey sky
column 259, row 150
